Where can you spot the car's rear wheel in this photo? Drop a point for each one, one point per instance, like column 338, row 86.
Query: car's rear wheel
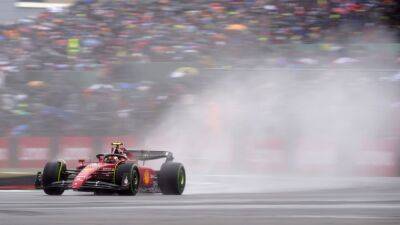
column 172, row 178
column 53, row 172
column 127, row 175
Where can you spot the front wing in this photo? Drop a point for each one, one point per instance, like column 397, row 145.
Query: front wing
column 90, row 186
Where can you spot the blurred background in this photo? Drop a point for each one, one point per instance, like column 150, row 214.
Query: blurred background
column 241, row 86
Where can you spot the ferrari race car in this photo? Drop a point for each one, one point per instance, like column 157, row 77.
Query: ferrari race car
column 117, row 172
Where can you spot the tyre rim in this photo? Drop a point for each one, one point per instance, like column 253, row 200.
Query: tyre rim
column 181, row 179
column 60, row 167
column 135, row 181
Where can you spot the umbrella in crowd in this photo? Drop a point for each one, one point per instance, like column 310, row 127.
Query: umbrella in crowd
column 36, row 84
column 236, row 27
column 96, row 87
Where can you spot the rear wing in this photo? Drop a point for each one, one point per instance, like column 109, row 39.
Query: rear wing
column 144, row 155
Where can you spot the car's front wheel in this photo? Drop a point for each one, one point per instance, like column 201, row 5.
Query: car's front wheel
column 53, row 172
column 127, row 175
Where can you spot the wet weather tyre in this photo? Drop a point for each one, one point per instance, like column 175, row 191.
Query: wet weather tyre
column 172, row 178
column 127, row 174
column 53, row 172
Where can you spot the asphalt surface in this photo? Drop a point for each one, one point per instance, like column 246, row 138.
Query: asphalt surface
column 375, row 202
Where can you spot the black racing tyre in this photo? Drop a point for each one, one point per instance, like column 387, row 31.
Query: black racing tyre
column 53, row 172
column 172, row 178
column 128, row 174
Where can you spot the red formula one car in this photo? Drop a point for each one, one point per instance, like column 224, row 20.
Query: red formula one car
column 117, row 172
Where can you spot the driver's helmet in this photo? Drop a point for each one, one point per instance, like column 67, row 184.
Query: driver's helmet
column 118, row 148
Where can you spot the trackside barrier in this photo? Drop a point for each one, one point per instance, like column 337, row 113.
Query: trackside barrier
column 268, row 155
column 379, row 157
column 372, row 157
column 265, row 156
column 4, row 153
column 73, row 148
column 315, row 156
column 33, row 151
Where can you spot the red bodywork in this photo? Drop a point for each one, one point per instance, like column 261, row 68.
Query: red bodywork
column 102, row 170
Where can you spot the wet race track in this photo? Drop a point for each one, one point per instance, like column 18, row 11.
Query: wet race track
column 362, row 202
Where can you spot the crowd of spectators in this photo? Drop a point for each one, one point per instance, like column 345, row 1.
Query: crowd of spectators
column 95, row 32
column 99, row 34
